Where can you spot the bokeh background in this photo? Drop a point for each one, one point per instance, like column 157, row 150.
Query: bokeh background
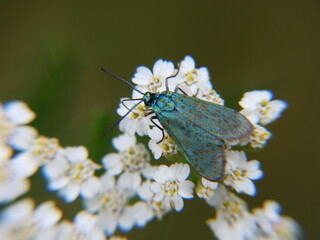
column 51, row 52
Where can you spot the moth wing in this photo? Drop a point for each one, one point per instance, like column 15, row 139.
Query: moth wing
column 220, row 121
column 204, row 151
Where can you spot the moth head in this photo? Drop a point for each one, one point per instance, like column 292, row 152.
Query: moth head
column 149, row 98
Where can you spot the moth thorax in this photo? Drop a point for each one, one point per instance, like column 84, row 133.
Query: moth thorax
column 165, row 103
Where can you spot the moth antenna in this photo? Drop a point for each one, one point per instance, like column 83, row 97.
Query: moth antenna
column 121, row 79
column 127, row 100
column 119, row 120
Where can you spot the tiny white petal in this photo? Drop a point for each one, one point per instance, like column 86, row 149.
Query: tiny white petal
column 158, row 197
column 148, row 171
column 58, row 183
column 142, row 213
column 108, row 181
column 90, row 187
column 76, row 153
column 181, row 171
column 163, row 68
column 22, row 138
column 110, row 224
column 127, row 219
column 123, row 142
column 272, row 209
column 70, row 192
column 188, row 64
column 163, row 174
column 47, row 214
column 18, row 210
column 24, row 164
column 112, row 163
column 55, row 168
column 186, row 189
column 18, row 112
column 13, row 189
column 5, row 152
column 85, row 221
column 178, row 203
column 145, row 192
column 129, row 180
column 155, row 148
column 155, row 187
column 246, row 186
column 142, row 76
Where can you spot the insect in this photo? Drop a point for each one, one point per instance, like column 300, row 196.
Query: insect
column 199, row 128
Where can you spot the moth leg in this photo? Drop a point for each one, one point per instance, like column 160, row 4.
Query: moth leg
column 177, row 89
column 149, row 113
column 196, row 93
column 162, row 130
column 174, row 75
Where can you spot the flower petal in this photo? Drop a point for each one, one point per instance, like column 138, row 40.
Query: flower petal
column 18, row 112
column 70, row 192
column 186, row 189
column 76, row 154
column 90, row 187
column 178, row 203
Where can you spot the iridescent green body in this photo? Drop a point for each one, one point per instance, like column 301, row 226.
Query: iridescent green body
column 199, row 128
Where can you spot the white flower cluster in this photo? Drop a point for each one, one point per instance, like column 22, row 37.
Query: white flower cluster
column 167, row 186
column 68, row 171
column 159, row 188
column 132, row 191
column 234, row 221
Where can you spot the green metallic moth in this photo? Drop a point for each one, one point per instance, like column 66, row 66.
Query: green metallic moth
column 199, row 128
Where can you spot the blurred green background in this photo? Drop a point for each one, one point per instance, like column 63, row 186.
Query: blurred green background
column 51, row 52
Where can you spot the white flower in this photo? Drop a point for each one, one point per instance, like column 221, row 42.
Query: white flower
column 212, row 96
column 171, row 185
column 84, row 227
column 13, row 115
column 22, row 137
column 154, row 81
column 17, row 112
column 45, row 149
column 258, row 105
column 73, row 174
column 135, row 122
column 132, row 161
column 272, row 225
column 110, row 204
column 233, row 221
column 21, row 221
column 65, row 230
column 41, row 151
column 240, row 172
column 206, row 189
column 13, row 182
column 142, row 213
column 165, row 147
column 259, row 136
column 148, row 208
column 197, row 79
